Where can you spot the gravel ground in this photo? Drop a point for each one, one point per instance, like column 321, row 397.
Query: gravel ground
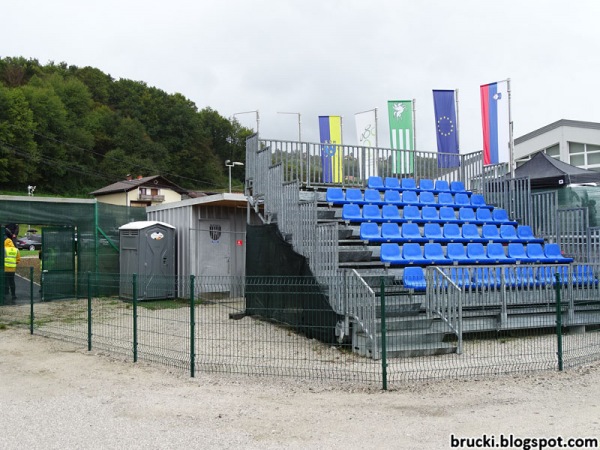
column 54, row 397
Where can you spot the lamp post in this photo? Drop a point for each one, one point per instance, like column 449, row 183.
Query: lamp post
column 248, row 112
column 299, row 123
column 230, row 164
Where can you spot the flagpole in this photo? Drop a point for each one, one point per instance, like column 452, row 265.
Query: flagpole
column 376, row 132
column 414, row 124
column 511, row 143
column 457, row 121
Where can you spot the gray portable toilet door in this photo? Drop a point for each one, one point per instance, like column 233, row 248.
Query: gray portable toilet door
column 214, row 248
column 158, row 254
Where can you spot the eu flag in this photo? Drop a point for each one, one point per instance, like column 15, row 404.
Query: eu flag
column 446, row 128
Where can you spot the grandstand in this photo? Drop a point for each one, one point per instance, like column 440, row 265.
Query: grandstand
column 453, row 250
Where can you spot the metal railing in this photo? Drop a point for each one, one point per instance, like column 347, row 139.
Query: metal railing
column 306, row 162
column 444, row 300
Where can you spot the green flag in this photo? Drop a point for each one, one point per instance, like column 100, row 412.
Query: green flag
column 402, row 135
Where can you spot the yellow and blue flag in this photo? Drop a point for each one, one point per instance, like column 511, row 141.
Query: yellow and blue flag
column 330, row 131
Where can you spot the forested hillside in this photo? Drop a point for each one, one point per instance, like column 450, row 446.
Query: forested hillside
column 71, row 130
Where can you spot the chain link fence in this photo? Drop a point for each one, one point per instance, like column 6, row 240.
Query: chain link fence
column 242, row 330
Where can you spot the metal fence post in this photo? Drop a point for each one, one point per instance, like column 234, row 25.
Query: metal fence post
column 89, row 310
column 31, row 300
column 559, row 353
column 192, row 329
column 383, row 337
column 135, row 336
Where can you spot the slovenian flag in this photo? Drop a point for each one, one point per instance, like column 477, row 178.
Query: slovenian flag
column 495, row 122
column 330, row 131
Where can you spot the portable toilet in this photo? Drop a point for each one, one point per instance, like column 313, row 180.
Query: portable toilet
column 147, row 249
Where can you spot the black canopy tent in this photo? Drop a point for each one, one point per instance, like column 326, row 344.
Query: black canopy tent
column 547, row 172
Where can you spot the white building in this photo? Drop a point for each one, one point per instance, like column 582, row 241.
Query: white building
column 571, row 141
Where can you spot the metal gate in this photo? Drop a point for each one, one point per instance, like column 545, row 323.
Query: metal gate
column 58, row 263
column 513, row 195
column 544, row 205
column 572, row 229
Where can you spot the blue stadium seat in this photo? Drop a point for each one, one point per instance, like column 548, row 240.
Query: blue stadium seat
column 476, row 253
column 527, row 276
column 466, row 215
column 354, row 195
column 487, row 277
column 414, row 278
column 508, row 233
column 413, row 254
column 410, row 197
column 434, row 253
column 457, row 253
column 447, row 214
column 411, row 233
column 390, row 213
column 433, row 232
column 510, row 277
column 411, row 213
column 535, row 253
column 583, row 275
column 408, row 184
column 391, row 254
column 457, row 186
column 500, row 215
column 430, row 214
column 426, row 184
column 375, row 183
column 525, row 233
column 445, row 199
column 392, row 197
column 442, row 186
column 452, row 232
column 547, row 276
column 461, row 199
column 461, row 277
column 496, row 255
column 470, row 233
column 484, row 215
column 390, row 232
column 427, row 198
column 335, row 196
column 490, row 233
column 370, row 232
column 371, row 213
column 516, row 251
column 477, row 201
column 351, row 213
column 554, row 255
column 372, row 196
column 392, row 183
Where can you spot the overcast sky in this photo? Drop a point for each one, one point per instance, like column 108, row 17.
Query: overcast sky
column 330, row 57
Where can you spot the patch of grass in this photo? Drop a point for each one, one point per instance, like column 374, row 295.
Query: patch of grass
column 154, row 305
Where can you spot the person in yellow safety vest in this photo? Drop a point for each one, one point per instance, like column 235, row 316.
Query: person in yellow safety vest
column 11, row 259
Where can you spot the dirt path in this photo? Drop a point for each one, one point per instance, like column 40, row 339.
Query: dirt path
column 55, row 397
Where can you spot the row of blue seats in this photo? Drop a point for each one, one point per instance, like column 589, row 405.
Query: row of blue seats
column 471, row 253
column 426, row 214
column 337, row 196
column 409, row 184
column 515, row 277
column 449, row 232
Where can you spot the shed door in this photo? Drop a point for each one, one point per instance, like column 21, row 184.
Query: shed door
column 214, row 248
column 58, row 263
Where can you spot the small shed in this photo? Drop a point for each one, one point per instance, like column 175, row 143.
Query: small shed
column 147, row 249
